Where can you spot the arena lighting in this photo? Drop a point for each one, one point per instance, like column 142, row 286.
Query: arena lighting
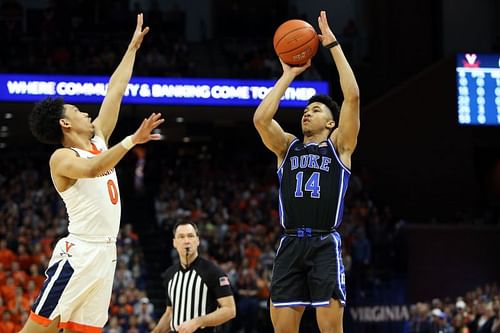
column 154, row 90
column 478, row 89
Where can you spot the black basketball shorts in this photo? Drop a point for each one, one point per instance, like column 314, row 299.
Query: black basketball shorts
column 308, row 271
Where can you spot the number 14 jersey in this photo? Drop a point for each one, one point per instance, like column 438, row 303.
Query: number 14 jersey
column 313, row 182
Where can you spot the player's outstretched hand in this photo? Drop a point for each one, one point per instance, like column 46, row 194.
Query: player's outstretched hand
column 139, row 33
column 294, row 70
column 326, row 36
column 143, row 133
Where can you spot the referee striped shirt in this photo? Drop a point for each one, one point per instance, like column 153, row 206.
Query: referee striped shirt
column 193, row 292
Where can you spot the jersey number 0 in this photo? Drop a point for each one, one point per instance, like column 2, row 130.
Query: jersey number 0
column 113, row 192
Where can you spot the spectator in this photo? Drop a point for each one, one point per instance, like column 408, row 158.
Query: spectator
column 144, row 312
column 419, row 323
column 113, row 326
column 7, row 325
column 7, row 256
column 248, row 302
column 439, row 323
column 485, row 317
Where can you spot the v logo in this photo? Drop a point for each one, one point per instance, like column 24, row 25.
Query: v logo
column 68, row 246
column 471, row 58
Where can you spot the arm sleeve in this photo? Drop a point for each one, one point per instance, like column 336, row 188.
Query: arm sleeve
column 169, row 274
column 218, row 282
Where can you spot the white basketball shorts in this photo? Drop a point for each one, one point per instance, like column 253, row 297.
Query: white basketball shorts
column 78, row 284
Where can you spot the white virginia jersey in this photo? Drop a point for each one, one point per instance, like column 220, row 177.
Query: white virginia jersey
column 93, row 204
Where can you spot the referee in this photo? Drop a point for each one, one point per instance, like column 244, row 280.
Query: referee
column 199, row 295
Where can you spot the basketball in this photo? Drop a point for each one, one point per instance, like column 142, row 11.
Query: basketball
column 295, row 42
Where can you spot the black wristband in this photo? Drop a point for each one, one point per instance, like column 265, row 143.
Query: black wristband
column 332, row 44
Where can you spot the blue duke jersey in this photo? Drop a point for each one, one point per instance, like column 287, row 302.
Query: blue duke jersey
column 313, row 183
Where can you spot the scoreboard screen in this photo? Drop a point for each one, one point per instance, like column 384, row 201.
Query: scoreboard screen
column 478, row 89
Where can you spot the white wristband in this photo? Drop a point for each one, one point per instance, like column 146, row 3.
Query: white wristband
column 127, row 142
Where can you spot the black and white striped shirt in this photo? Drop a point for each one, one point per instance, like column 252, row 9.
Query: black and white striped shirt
column 193, row 292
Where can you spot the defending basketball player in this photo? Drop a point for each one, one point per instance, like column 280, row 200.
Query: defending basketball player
column 77, row 291
column 313, row 176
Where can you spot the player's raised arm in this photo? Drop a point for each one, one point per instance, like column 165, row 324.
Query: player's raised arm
column 346, row 135
column 269, row 130
column 65, row 163
column 108, row 114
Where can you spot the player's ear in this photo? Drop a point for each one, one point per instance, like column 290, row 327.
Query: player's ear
column 64, row 123
column 330, row 124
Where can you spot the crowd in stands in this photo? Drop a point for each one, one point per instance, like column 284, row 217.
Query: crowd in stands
column 234, row 205
column 90, row 37
column 478, row 311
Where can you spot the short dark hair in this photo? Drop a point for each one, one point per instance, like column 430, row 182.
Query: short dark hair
column 44, row 120
column 185, row 223
column 330, row 104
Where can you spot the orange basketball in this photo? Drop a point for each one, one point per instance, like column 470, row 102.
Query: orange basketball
column 295, row 42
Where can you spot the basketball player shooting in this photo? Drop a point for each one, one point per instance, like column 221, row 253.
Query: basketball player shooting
column 76, row 294
column 313, row 175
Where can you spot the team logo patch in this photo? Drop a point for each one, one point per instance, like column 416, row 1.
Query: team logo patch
column 224, row 281
column 68, row 248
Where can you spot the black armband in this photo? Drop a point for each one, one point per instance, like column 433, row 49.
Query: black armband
column 332, row 44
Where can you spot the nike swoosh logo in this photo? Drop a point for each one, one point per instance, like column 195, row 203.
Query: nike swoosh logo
column 324, row 237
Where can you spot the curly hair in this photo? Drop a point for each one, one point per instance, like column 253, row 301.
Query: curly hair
column 44, row 120
column 330, row 104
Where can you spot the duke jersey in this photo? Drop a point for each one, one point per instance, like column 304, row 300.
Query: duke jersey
column 93, row 204
column 313, row 183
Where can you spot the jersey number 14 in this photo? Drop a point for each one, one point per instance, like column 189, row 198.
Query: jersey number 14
column 311, row 185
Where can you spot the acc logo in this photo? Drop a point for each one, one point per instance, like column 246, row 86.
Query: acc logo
column 65, row 252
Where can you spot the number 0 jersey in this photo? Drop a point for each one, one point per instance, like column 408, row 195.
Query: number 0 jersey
column 313, row 183
column 93, row 204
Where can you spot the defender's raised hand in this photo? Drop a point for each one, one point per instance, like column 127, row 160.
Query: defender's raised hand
column 143, row 133
column 139, row 33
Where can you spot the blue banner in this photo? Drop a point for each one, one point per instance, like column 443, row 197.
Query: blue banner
column 149, row 90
